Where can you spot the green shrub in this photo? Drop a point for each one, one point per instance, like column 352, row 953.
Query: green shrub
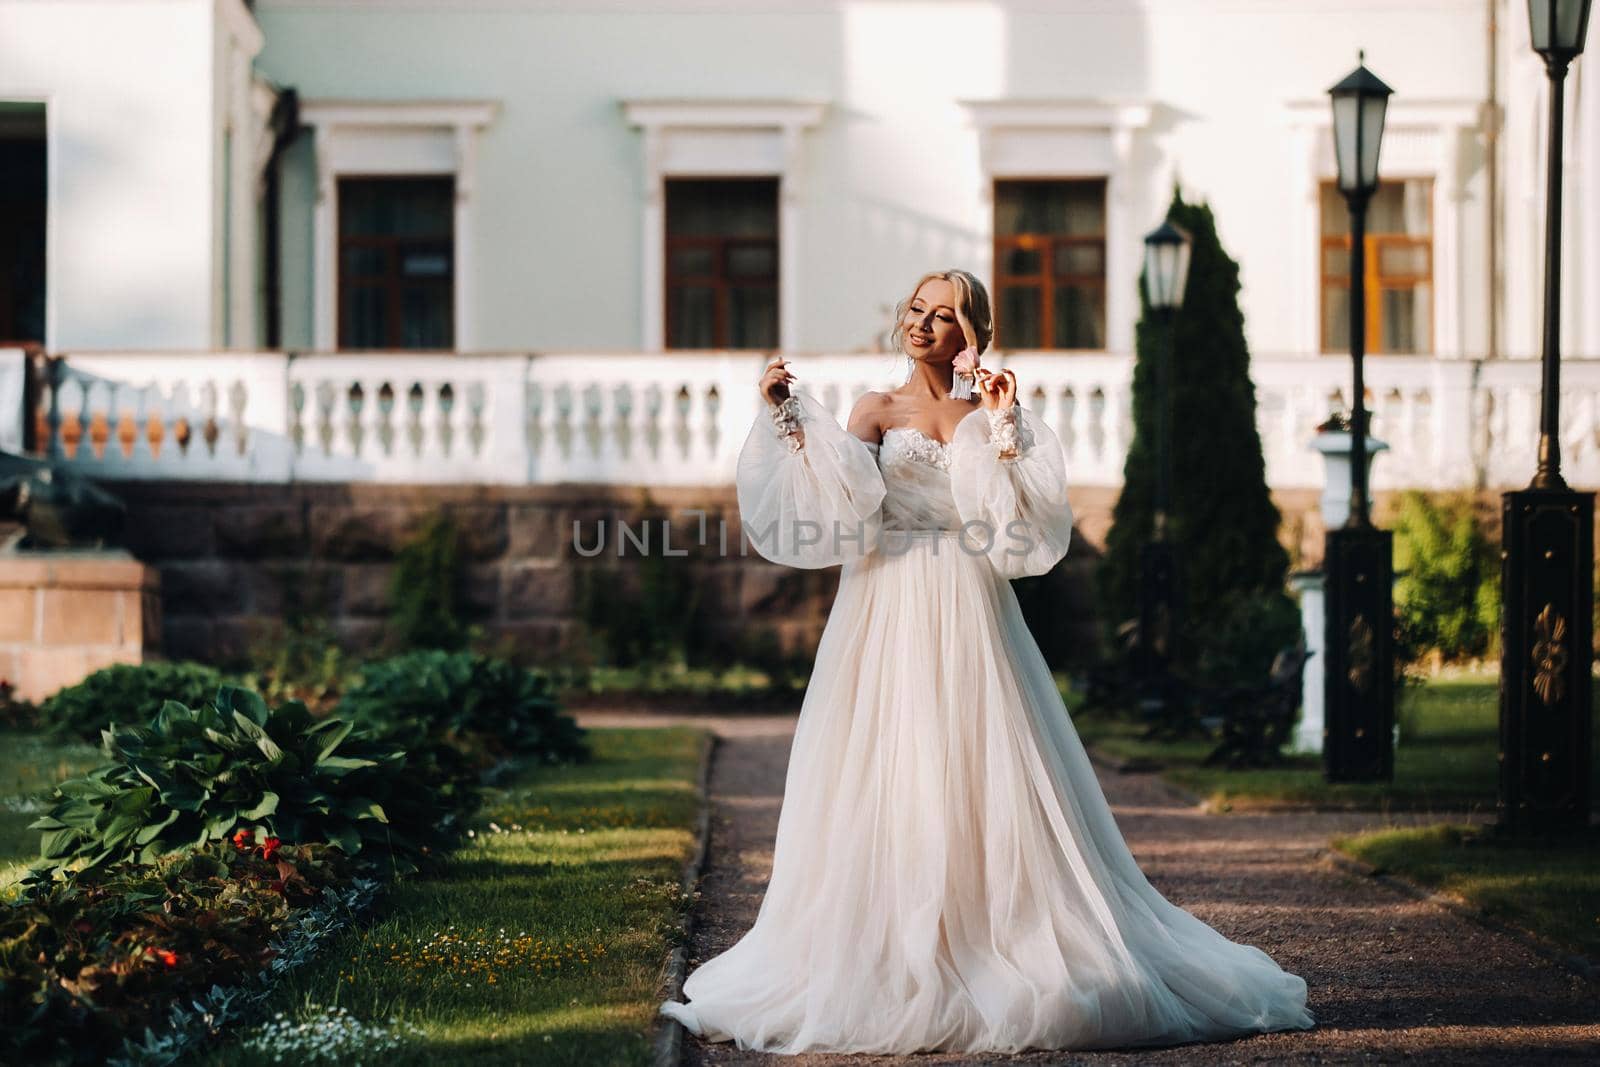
column 200, row 775
column 126, row 695
column 1447, row 584
column 15, row 713
column 425, row 594
column 1220, row 513
column 1255, row 627
column 469, row 704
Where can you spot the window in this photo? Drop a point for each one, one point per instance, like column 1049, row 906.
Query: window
column 396, row 262
column 722, row 263
column 1050, row 263
column 1399, row 283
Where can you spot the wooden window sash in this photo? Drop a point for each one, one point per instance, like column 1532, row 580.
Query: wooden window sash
column 720, row 282
column 391, row 282
column 1376, row 282
column 1046, row 280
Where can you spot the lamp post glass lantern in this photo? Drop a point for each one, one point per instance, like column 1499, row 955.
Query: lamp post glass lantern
column 1547, row 541
column 1557, row 27
column 1166, row 278
column 1358, row 678
column 1360, row 105
column 1166, row 266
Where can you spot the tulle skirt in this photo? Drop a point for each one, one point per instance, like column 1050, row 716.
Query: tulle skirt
column 947, row 874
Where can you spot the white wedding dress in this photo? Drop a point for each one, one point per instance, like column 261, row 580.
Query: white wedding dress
column 947, row 874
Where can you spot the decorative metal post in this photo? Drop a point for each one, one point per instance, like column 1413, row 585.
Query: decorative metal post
column 1166, row 276
column 1547, row 545
column 1358, row 678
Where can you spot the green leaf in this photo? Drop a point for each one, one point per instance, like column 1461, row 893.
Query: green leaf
column 133, row 801
column 345, row 836
column 56, row 843
column 86, row 788
column 344, row 763
column 267, row 805
column 269, row 749
column 341, row 730
column 77, row 814
column 370, row 810
column 120, row 829
column 153, row 831
column 251, row 729
column 185, row 797
column 220, row 825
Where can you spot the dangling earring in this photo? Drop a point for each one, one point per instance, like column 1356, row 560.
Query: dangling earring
column 911, row 365
column 966, row 374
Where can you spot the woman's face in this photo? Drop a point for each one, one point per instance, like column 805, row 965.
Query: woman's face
column 931, row 332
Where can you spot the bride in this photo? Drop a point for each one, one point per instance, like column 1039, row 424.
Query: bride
column 947, row 874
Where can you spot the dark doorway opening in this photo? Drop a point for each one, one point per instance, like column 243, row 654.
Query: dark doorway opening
column 23, row 196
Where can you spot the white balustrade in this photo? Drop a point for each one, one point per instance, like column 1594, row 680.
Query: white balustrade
column 406, row 418
column 680, row 418
column 202, row 416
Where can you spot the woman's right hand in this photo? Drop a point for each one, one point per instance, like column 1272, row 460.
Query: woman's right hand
column 774, row 384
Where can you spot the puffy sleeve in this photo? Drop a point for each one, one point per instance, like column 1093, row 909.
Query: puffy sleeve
column 814, row 506
column 1021, row 501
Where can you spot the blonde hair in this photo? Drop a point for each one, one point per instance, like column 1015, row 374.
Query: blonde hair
column 972, row 308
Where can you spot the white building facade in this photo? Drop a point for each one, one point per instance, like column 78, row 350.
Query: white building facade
column 574, row 196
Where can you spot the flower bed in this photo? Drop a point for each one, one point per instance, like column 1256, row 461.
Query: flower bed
column 535, row 941
column 211, row 851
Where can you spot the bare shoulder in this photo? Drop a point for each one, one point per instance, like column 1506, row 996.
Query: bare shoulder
column 866, row 417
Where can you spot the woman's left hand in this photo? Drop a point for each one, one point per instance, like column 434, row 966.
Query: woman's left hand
column 997, row 390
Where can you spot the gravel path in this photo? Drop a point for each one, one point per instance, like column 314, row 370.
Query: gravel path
column 1391, row 978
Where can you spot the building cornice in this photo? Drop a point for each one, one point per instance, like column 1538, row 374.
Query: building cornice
column 724, row 113
column 1057, row 114
column 398, row 112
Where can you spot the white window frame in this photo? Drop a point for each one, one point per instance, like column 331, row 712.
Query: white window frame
column 360, row 138
column 721, row 139
column 1421, row 139
column 1070, row 139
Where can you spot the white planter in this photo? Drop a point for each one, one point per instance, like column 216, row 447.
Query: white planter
column 1335, row 448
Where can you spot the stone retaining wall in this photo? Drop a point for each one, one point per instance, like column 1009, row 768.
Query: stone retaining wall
column 233, row 557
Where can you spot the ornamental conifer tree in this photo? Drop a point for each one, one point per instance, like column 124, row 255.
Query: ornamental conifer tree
column 1234, row 612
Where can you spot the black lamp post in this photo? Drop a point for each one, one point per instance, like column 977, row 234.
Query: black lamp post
column 1166, row 277
column 1547, row 536
column 1358, row 744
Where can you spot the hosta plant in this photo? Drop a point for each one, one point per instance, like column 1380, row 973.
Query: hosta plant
column 468, row 701
column 200, row 775
column 126, row 695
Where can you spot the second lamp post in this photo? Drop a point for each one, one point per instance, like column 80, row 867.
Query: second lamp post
column 1358, row 742
column 1166, row 276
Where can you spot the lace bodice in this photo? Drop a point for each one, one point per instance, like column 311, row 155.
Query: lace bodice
column 916, row 446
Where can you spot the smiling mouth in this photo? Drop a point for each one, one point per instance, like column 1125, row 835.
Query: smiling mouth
column 921, row 341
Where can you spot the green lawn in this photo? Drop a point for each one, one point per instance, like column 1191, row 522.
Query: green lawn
column 1553, row 890
column 542, row 940
column 1445, row 761
column 30, row 764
